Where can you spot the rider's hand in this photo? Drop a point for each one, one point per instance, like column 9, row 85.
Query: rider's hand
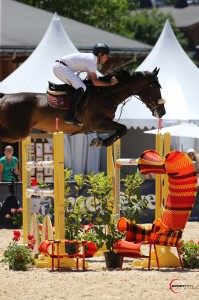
column 113, row 80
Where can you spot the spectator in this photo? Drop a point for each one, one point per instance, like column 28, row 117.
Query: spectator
column 9, row 169
column 191, row 153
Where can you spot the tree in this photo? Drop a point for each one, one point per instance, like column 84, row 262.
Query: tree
column 114, row 16
column 146, row 26
column 104, row 14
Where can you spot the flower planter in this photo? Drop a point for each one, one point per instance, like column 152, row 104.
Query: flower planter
column 112, row 260
column 18, row 265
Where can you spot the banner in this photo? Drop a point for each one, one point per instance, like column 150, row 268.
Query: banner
column 44, row 205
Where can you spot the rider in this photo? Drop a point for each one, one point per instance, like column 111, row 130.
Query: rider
column 67, row 65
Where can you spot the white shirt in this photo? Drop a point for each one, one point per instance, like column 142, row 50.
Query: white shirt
column 81, row 62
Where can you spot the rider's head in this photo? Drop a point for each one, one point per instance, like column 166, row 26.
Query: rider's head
column 102, row 51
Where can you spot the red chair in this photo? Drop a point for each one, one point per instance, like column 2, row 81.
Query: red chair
column 168, row 230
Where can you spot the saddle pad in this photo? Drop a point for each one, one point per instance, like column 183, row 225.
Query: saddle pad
column 59, row 101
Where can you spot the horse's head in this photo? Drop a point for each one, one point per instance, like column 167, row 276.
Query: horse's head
column 145, row 85
column 150, row 94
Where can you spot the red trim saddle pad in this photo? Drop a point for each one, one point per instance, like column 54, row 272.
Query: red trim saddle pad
column 59, row 101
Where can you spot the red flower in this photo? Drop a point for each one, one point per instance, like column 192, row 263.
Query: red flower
column 30, row 237
column 17, row 235
column 31, row 246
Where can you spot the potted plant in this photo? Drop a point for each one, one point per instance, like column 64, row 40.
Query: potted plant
column 190, row 254
column 104, row 224
column 19, row 256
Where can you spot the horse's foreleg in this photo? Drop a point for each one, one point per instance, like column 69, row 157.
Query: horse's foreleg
column 119, row 129
column 116, row 136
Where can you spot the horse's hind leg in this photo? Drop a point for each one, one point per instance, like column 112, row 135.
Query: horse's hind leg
column 119, row 129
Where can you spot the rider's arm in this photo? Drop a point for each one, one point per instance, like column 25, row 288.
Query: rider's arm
column 98, row 82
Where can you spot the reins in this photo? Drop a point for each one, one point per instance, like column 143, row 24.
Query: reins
column 151, row 86
column 128, row 99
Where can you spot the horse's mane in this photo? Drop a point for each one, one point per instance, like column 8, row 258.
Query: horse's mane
column 119, row 74
column 124, row 75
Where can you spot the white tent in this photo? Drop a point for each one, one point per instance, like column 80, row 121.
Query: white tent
column 33, row 76
column 34, row 73
column 185, row 130
column 179, row 78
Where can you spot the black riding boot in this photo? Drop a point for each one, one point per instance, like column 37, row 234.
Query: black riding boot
column 70, row 119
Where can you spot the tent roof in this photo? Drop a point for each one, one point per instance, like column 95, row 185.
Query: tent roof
column 183, row 17
column 38, row 68
column 178, row 77
column 24, row 26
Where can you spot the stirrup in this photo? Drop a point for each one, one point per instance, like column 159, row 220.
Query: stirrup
column 72, row 121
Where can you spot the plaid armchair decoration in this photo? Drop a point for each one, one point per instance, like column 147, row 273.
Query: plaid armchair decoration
column 168, row 230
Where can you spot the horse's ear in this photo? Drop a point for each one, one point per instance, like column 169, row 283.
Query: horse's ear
column 156, row 71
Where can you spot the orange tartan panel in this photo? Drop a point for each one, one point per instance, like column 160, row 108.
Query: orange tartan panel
column 128, row 249
column 151, row 162
column 182, row 189
column 123, row 224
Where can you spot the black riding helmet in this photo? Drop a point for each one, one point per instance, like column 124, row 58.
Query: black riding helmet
column 101, row 48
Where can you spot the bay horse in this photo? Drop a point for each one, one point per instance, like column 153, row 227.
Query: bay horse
column 21, row 112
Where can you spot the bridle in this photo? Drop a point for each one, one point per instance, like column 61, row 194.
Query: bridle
column 152, row 105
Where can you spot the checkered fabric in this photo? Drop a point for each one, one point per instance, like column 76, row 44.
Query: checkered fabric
column 182, row 189
column 181, row 196
column 134, row 232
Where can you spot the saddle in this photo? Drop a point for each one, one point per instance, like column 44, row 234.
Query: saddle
column 59, row 95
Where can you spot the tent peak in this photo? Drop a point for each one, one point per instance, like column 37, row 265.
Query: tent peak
column 55, row 17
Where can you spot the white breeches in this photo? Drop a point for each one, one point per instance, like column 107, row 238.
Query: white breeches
column 67, row 76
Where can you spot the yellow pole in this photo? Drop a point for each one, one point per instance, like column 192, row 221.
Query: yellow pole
column 61, row 184
column 110, row 162
column 58, row 147
column 56, row 187
column 167, row 148
column 26, row 183
column 113, row 153
column 158, row 181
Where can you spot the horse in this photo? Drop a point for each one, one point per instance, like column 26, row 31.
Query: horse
column 21, row 112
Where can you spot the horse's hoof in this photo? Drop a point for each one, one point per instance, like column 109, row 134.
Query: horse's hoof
column 96, row 142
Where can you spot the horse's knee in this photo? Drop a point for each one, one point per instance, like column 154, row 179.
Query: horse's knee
column 123, row 130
